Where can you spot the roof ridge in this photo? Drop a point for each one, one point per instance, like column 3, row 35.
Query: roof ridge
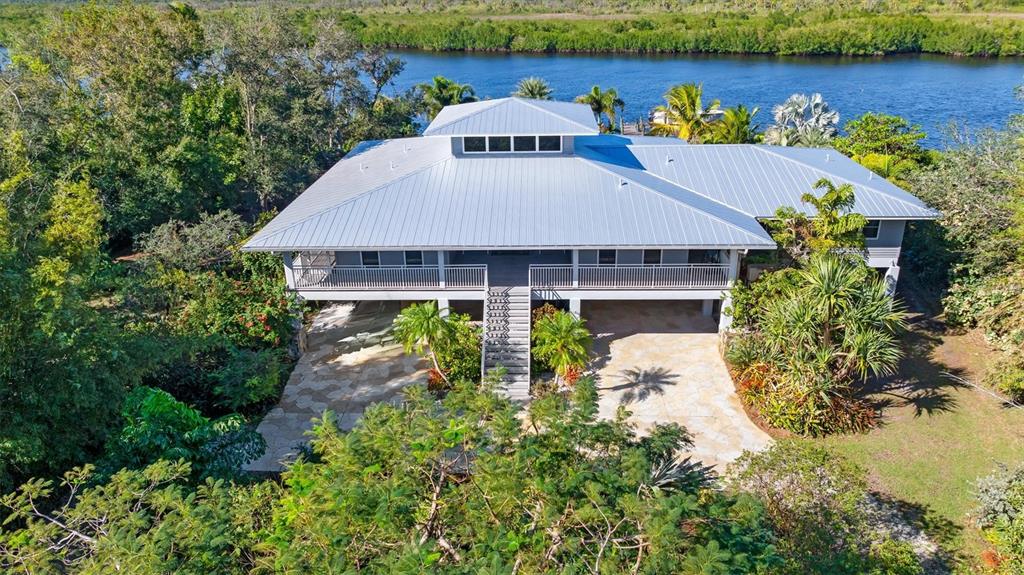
column 768, row 150
column 347, row 200
column 528, row 102
column 493, row 103
column 692, row 207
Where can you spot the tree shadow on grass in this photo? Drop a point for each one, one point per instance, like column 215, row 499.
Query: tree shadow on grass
column 921, row 382
column 935, row 539
column 640, row 383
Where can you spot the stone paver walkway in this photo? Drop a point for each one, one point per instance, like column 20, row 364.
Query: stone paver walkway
column 661, row 361
column 349, row 363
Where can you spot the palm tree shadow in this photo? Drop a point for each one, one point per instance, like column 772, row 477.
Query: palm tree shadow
column 922, row 382
column 639, row 383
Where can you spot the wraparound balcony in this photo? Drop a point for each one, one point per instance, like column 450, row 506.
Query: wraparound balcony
column 634, row 277
column 361, row 278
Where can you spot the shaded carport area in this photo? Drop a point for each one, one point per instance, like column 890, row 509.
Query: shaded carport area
column 660, row 360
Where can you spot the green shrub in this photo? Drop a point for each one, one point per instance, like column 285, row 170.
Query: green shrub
column 1000, row 514
column 459, row 355
column 818, row 504
column 750, row 299
column 249, row 378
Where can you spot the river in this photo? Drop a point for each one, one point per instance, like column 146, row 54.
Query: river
column 930, row 91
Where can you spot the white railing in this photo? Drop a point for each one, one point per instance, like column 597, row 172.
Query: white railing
column 658, row 276
column 389, row 277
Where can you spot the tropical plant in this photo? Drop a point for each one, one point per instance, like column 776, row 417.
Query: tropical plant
column 833, row 227
column 459, row 354
column 603, row 103
column 735, row 126
column 443, row 92
column 534, row 88
column 562, row 341
column 834, row 325
column 157, row 426
column 803, row 120
column 684, row 115
column 420, row 327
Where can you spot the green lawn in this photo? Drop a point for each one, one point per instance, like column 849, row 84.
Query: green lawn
column 937, row 436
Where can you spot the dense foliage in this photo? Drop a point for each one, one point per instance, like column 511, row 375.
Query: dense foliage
column 457, row 486
column 153, row 133
column 820, row 506
column 832, row 324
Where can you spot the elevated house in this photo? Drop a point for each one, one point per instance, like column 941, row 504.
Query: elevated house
column 511, row 202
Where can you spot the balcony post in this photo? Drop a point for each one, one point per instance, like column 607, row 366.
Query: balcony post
column 575, row 268
column 440, row 269
column 289, row 269
column 734, row 267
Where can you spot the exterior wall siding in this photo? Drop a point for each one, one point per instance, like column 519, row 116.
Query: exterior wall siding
column 890, row 234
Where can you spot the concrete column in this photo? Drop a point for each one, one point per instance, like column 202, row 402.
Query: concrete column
column 440, row 269
column 575, row 268
column 891, row 276
column 734, row 266
column 725, row 321
column 707, row 306
column 442, row 306
column 289, row 269
column 574, row 307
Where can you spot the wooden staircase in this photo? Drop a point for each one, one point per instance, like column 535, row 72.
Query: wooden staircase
column 507, row 337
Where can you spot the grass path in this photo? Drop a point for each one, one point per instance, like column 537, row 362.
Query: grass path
column 938, row 436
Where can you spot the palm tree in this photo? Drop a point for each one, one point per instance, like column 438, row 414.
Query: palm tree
column 736, row 126
column 803, row 121
column 836, row 226
column 444, row 92
column 684, row 114
column 421, row 326
column 561, row 340
column 534, row 88
column 839, row 317
column 603, row 103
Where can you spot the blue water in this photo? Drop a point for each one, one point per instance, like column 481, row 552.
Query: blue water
column 930, row 91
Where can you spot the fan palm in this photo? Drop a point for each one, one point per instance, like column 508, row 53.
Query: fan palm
column 422, row 326
column 684, row 114
column 534, row 88
column 444, row 92
column 736, row 126
column 561, row 340
column 602, row 103
column 803, row 121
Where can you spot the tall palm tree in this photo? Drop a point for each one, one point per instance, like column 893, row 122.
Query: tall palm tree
column 561, row 340
column 534, row 88
column 736, row 126
column 603, row 103
column 444, row 92
column 684, row 114
column 421, row 326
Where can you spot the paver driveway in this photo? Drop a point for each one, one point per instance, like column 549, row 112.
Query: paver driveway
column 661, row 361
column 349, row 363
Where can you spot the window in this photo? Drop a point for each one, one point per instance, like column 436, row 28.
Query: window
column 652, row 257
column 499, row 144
column 472, row 144
column 370, row 259
column 414, row 258
column 871, row 229
column 550, row 143
column 606, row 257
column 525, row 143
column 705, row 256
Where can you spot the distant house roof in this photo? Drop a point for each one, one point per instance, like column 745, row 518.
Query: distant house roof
column 510, row 116
column 611, row 190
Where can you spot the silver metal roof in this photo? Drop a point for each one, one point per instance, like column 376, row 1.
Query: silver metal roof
column 757, row 180
column 612, row 191
column 513, row 116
